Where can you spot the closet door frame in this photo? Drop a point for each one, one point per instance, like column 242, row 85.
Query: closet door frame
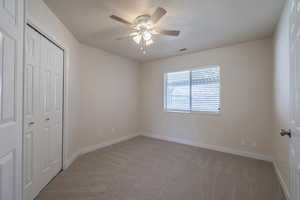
column 65, row 122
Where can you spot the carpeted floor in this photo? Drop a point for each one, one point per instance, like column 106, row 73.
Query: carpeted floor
column 150, row 169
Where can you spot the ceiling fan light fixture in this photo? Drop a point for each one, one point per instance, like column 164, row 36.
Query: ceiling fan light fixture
column 147, row 35
column 144, row 27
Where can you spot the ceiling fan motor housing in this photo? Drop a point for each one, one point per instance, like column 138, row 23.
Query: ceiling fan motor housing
column 142, row 19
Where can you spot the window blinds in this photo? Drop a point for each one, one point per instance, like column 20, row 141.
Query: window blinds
column 206, row 90
column 196, row 90
column 178, row 90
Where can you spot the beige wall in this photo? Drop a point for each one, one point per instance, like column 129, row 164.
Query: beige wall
column 246, row 79
column 281, row 96
column 109, row 96
column 40, row 14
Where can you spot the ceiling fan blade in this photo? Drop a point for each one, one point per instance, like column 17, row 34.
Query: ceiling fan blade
column 119, row 19
column 166, row 32
column 157, row 15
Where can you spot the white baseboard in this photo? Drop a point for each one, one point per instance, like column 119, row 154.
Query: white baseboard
column 71, row 160
column 211, row 147
column 105, row 144
column 95, row 147
column 281, row 180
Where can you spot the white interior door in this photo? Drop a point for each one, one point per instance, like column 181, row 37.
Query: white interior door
column 295, row 99
column 43, row 100
column 11, row 87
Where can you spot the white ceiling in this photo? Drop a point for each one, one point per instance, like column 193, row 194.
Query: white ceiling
column 203, row 24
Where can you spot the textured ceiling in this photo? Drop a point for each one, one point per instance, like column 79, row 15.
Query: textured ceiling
column 203, row 24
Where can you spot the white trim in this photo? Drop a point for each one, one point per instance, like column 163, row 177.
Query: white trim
column 211, row 147
column 95, row 147
column 105, row 144
column 218, row 113
column 281, row 180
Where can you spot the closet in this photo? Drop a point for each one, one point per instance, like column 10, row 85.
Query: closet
column 43, row 106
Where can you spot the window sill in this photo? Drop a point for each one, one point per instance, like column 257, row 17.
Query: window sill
column 194, row 112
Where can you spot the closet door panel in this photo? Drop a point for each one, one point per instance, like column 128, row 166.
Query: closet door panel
column 46, row 93
column 56, row 123
column 50, row 145
column 31, row 108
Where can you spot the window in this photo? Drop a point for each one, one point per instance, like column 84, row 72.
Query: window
column 194, row 90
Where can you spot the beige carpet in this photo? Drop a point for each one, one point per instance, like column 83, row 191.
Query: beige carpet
column 150, row 169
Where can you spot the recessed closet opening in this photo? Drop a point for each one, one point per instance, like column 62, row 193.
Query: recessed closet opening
column 43, row 139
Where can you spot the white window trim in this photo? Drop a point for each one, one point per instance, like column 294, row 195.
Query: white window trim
column 218, row 113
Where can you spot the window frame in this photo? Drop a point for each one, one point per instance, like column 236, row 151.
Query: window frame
column 190, row 69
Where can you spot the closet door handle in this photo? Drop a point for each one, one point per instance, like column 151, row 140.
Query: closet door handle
column 47, row 119
column 30, row 123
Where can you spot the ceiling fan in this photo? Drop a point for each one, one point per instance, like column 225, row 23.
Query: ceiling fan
column 144, row 27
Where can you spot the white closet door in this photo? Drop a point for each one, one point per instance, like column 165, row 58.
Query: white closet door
column 11, row 87
column 51, row 88
column 43, row 113
column 32, row 109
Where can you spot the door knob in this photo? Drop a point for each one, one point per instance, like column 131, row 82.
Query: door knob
column 284, row 132
column 30, row 123
column 47, row 119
